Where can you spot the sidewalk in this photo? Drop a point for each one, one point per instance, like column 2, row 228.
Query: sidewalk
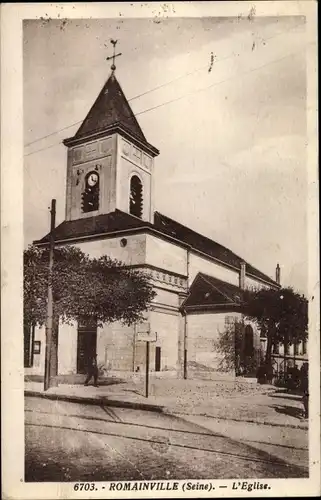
column 224, row 400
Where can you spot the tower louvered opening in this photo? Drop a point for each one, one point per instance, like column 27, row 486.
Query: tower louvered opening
column 136, row 197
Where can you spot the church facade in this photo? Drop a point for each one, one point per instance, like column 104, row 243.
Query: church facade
column 110, row 211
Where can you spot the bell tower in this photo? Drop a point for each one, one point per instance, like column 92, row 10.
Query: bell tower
column 110, row 163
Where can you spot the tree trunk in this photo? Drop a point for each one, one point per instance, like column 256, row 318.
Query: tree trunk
column 268, row 354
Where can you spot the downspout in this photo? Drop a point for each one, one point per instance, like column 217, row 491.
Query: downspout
column 185, row 316
column 242, row 276
column 185, row 346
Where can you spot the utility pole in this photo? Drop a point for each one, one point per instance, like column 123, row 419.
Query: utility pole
column 49, row 320
column 147, row 370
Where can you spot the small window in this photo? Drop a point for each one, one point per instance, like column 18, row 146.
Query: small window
column 136, row 197
column 37, row 347
column 276, row 348
column 296, row 348
column 229, row 320
column 304, row 347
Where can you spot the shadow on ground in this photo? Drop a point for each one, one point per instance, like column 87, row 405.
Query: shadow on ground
column 75, row 379
column 289, row 410
column 290, row 397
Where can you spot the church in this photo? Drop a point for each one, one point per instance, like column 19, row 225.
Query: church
column 110, row 210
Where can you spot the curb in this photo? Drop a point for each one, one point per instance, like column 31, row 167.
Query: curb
column 101, row 401
column 249, row 421
column 116, row 403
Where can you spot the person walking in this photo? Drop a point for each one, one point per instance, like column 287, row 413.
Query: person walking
column 261, row 374
column 269, row 373
column 92, row 370
column 305, row 388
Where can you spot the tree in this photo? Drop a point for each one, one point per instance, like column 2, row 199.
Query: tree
column 230, row 345
column 281, row 315
column 102, row 288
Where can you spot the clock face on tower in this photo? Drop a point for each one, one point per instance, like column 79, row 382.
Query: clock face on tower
column 92, row 179
column 90, row 195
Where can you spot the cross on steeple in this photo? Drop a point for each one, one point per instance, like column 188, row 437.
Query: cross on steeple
column 113, row 67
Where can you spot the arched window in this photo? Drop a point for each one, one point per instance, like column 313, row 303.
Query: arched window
column 136, row 197
column 90, row 195
column 248, row 341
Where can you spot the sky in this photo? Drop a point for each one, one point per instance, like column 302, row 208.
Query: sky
column 232, row 161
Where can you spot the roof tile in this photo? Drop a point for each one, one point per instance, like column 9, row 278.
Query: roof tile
column 118, row 221
column 110, row 108
column 207, row 291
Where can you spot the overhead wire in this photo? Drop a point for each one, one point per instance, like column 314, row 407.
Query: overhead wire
column 216, row 61
column 217, row 83
column 129, row 100
column 193, row 92
column 43, row 149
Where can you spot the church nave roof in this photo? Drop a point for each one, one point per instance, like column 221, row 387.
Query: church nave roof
column 116, row 221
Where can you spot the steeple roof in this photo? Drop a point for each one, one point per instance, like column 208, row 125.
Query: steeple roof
column 111, row 108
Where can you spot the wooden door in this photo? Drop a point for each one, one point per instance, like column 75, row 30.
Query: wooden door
column 157, row 359
column 86, row 343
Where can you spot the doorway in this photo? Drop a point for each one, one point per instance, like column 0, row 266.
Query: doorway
column 157, row 359
column 249, row 361
column 86, row 342
column 248, row 342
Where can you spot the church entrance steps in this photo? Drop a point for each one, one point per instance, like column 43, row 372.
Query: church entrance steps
column 234, row 401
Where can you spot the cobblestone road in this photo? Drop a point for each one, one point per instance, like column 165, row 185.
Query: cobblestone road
column 77, row 442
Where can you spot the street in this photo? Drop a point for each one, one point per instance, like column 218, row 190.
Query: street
column 78, row 442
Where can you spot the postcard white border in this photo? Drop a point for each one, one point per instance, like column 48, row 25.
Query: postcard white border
column 12, row 233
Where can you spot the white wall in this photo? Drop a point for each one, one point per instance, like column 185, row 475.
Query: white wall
column 132, row 160
column 126, row 169
column 165, row 255
column 166, row 297
column 133, row 253
column 206, row 266
column 203, row 331
column 167, row 328
column 115, row 346
column 67, row 348
column 291, row 350
column 100, row 154
column 38, row 359
column 253, row 283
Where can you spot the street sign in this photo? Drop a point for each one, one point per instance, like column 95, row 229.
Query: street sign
column 146, row 336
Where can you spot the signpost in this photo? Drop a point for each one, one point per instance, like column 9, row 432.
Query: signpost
column 145, row 335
